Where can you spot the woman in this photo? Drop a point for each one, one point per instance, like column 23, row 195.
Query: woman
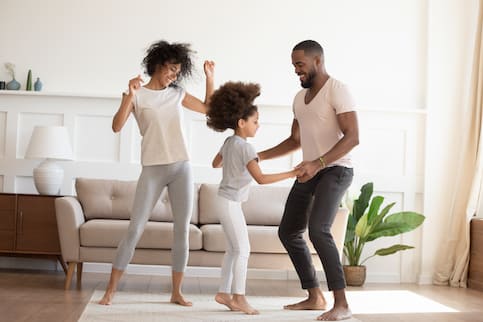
column 157, row 108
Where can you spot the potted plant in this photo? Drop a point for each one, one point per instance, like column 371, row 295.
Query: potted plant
column 365, row 225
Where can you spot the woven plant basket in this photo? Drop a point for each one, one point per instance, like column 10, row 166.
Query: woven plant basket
column 354, row 275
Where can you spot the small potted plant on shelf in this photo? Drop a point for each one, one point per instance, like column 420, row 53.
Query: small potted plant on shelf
column 365, row 225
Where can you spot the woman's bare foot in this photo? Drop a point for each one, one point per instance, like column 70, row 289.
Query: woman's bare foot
column 225, row 299
column 336, row 314
column 240, row 302
column 107, row 298
column 179, row 299
column 308, row 304
column 111, row 287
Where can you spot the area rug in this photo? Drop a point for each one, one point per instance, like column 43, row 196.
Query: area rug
column 149, row 307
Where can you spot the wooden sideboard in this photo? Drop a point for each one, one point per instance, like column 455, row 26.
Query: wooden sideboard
column 475, row 272
column 28, row 226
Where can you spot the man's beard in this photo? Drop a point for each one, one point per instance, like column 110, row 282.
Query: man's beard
column 309, row 81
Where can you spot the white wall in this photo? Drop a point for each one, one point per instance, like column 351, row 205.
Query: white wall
column 92, row 46
column 395, row 55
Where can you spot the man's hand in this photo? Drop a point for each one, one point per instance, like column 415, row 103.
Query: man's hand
column 307, row 170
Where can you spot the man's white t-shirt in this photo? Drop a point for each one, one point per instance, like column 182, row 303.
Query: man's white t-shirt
column 159, row 114
column 319, row 129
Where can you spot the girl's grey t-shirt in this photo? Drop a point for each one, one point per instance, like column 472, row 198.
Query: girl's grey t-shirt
column 236, row 153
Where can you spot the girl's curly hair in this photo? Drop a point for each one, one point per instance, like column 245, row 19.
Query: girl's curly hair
column 162, row 52
column 231, row 102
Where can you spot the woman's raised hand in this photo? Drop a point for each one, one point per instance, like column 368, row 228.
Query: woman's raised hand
column 209, row 67
column 135, row 84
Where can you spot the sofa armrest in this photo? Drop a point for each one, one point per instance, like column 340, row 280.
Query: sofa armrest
column 70, row 217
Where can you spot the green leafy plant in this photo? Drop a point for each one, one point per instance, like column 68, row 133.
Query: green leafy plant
column 365, row 225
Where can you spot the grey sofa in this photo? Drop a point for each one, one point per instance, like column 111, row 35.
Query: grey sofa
column 92, row 223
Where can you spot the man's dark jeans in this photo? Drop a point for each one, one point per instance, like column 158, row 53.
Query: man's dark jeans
column 315, row 203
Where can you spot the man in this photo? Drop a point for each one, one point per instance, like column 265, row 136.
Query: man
column 325, row 126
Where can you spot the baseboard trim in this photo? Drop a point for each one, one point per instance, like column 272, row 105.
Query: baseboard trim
column 192, row 271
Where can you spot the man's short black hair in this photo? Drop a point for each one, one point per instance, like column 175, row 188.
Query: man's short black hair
column 310, row 46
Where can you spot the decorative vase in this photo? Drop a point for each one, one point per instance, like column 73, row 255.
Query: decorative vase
column 28, row 87
column 13, row 85
column 38, row 85
column 354, row 275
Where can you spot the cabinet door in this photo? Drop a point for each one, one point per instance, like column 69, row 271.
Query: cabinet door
column 7, row 222
column 37, row 225
column 475, row 271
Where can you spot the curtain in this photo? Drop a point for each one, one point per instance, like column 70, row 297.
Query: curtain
column 452, row 263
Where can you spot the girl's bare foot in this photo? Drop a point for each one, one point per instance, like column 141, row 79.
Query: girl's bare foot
column 337, row 313
column 179, row 299
column 225, row 299
column 240, row 302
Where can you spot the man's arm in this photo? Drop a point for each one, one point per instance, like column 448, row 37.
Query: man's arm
column 287, row 146
column 350, row 128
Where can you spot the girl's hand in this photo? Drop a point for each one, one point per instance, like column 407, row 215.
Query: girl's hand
column 135, row 84
column 209, row 67
column 307, row 169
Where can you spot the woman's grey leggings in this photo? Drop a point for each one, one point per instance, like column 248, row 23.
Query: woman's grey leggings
column 153, row 179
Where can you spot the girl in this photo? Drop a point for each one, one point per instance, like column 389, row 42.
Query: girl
column 157, row 108
column 231, row 107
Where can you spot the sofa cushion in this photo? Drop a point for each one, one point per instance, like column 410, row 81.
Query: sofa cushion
column 156, row 235
column 263, row 239
column 265, row 204
column 104, row 199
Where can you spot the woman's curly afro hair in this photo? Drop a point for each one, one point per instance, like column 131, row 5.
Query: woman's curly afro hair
column 231, row 102
column 162, row 52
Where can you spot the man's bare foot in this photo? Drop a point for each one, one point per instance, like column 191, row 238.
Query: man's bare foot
column 107, row 298
column 308, row 304
column 240, row 303
column 179, row 299
column 336, row 314
column 225, row 299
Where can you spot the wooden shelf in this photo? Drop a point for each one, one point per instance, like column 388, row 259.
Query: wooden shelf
column 59, row 94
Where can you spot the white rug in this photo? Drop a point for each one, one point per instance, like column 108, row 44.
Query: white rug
column 149, row 307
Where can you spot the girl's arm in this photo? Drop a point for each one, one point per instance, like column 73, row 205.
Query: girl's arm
column 127, row 105
column 194, row 103
column 262, row 178
column 217, row 161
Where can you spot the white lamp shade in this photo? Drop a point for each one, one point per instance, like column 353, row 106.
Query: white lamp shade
column 49, row 142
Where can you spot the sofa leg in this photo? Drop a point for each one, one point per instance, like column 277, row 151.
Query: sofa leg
column 68, row 277
column 79, row 274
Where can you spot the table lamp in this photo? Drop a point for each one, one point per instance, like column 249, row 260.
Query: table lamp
column 50, row 143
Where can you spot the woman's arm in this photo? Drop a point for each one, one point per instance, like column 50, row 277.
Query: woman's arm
column 194, row 103
column 217, row 161
column 127, row 105
column 262, row 178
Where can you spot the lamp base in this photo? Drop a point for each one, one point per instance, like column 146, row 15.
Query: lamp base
column 48, row 177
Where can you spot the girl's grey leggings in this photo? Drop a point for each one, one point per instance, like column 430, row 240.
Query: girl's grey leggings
column 177, row 177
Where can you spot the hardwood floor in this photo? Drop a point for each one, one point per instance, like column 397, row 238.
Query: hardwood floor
column 39, row 296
